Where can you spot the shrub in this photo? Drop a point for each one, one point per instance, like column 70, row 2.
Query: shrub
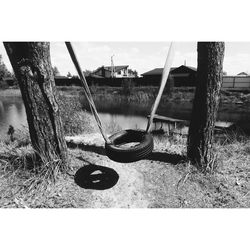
column 75, row 120
column 93, row 87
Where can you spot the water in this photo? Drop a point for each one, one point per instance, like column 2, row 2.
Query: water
column 126, row 115
column 12, row 112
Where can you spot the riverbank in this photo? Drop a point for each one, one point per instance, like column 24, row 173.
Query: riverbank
column 165, row 179
column 144, row 94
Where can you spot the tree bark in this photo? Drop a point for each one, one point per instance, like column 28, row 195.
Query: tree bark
column 32, row 66
column 206, row 103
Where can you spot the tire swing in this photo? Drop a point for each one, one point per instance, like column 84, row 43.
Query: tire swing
column 118, row 146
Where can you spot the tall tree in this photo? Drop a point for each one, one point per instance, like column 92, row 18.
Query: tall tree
column 32, row 66
column 56, row 71
column 87, row 72
column 206, row 103
column 4, row 72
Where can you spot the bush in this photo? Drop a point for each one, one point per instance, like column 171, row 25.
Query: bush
column 75, row 120
column 93, row 87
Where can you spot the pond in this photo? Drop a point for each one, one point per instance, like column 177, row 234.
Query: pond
column 124, row 114
column 12, row 112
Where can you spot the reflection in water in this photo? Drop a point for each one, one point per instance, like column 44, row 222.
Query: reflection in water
column 124, row 114
column 132, row 115
column 124, row 121
column 12, row 112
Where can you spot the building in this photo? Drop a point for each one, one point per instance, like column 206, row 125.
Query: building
column 119, row 71
column 242, row 74
column 181, row 76
column 239, row 81
column 153, row 77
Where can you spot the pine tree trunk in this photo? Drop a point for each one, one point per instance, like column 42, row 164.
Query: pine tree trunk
column 32, row 66
column 206, row 102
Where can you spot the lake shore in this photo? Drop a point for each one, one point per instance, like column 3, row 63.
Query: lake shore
column 144, row 94
column 165, row 179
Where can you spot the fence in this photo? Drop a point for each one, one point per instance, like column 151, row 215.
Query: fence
column 236, row 82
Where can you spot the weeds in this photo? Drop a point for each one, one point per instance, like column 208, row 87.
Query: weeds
column 112, row 127
column 75, row 120
column 26, row 170
column 127, row 87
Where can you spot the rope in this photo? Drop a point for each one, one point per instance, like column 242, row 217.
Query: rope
column 86, row 90
column 164, row 78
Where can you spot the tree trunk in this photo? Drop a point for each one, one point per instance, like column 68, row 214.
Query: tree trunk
column 32, row 66
column 206, row 103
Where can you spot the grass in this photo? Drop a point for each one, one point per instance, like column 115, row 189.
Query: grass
column 167, row 179
column 75, row 120
column 141, row 94
column 227, row 186
column 10, row 92
column 21, row 171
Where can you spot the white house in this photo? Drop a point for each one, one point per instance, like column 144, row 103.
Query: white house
column 119, row 71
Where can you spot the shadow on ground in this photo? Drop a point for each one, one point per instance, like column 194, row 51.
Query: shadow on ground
column 166, row 157
column 96, row 177
column 91, row 148
column 154, row 156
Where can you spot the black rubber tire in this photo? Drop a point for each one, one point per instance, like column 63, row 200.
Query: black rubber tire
column 132, row 154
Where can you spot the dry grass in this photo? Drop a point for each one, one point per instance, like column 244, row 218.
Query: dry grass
column 141, row 94
column 24, row 172
column 10, row 92
column 165, row 179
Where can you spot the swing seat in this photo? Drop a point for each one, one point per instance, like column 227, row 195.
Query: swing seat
column 118, row 150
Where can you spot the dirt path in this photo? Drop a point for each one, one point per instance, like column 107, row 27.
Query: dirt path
column 147, row 183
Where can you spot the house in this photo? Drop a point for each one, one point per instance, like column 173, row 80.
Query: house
column 181, row 76
column 184, row 76
column 242, row 74
column 66, row 81
column 119, row 71
column 153, row 77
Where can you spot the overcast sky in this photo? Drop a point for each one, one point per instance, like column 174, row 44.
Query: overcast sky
column 140, row 56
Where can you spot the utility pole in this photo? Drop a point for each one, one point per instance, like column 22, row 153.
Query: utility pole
column 112, row 67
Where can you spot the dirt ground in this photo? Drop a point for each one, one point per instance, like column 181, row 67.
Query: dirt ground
column 147, row 183
column 164, row 180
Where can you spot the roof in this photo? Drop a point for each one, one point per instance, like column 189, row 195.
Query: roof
column 158, row 71
column 190, row 67
column 96, row 76
column 117, row 68
column 108, row 68
column 242, row 74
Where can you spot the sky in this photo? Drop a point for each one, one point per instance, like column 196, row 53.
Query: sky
column 140, row 56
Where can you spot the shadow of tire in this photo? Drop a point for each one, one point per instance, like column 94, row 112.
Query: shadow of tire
column 96, row 177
